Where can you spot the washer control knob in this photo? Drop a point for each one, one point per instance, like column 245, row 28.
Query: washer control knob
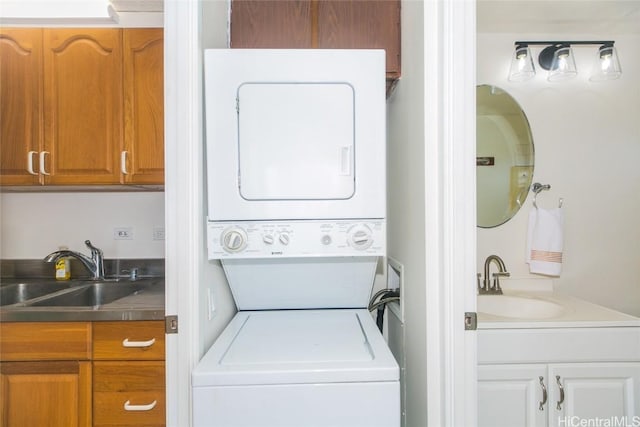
column 268, row 239
column 326, row 239
column 360, row 237
column 234, row 239
column 284, row 238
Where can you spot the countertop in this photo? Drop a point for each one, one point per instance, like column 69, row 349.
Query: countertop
column 576, row 313
column 145, row 304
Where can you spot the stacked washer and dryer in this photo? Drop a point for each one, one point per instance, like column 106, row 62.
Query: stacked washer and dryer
column 296, row 143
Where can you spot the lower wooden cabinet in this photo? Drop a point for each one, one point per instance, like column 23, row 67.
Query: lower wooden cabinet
column 82, row 374
column 128, row 393
column 53, row 394
column 45, row 374
column 128, row 374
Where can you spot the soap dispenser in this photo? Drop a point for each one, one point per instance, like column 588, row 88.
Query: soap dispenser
column 63, row 267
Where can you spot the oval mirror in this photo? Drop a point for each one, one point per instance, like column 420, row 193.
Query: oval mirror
column 504, row 156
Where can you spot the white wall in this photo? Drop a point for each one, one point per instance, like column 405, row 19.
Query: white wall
column 213, row 282
column 35, row 224
column 587, row 147
column 406, row 204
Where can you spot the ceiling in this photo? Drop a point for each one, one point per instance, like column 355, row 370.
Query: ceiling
column 559, row 16
column 137, row 5
column 517, row 16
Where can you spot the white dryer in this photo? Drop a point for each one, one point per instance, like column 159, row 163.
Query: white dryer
column 296, row 215
column 295, row 134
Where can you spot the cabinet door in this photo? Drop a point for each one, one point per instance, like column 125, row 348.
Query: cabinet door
column 512, row 395
column 272, row 24
column 143, row 159
column 362, row 24
column 53, row 394
column 325, row 24
column 82, row 105
column 592, row 391
column 20, row 105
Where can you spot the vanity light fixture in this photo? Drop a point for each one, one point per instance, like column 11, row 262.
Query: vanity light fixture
column 521, row 64
column 557, row 58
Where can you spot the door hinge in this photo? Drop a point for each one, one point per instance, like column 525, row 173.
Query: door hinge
column 171, row 324
column 470, row 321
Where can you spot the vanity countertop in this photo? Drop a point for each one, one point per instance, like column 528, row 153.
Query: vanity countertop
column 572, row 313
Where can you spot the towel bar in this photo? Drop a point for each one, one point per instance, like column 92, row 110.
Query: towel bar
column 537, row 188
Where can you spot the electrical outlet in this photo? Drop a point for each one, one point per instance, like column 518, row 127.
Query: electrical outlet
column 123, row 233
column 158, row 233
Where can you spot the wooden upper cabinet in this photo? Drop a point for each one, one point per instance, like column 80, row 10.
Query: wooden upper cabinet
column 142, row 160
column 325, row 24
column 272, row 24
column 362, row 24
column 82, row 106
column 20, row 105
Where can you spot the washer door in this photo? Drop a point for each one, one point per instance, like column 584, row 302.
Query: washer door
column 296, row 141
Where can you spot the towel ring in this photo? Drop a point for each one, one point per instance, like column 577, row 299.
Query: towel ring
column 537, row 188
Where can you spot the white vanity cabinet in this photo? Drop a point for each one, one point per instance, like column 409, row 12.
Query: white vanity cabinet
column 558, row 377
column 557, row 395
column 509, row 395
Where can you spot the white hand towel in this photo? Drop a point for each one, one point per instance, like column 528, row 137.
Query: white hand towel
column 544, row 241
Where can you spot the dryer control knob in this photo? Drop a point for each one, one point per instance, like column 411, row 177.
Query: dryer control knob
column 234, row 239
column 268, row 239
column 284, row 238
column 360, row 237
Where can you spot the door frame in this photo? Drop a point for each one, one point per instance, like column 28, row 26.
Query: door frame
column 449, row 34
column 450, row 232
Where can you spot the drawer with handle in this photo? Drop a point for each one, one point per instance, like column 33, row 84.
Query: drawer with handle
column 128, row 393
column 142, row 340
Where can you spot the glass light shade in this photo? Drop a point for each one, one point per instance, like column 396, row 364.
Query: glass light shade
column 521, row 65
column 563, row 65
column 607, row 64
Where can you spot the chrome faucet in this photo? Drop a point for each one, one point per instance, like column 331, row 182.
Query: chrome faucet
column 95, row 264
column 486, row 287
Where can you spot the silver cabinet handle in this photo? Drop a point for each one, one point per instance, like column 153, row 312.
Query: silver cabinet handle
column 138, row 344
column 544, row 394
column 561, row 401
column 43, row 155
column 123, row 162
column 129, row 407
column 30, row 162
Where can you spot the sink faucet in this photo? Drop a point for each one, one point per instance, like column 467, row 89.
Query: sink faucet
column 486, row 287
column 95, row 264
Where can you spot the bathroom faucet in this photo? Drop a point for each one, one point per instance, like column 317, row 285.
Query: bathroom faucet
column 486, row 287
column 95, row 264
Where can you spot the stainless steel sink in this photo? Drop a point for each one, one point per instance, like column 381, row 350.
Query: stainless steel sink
column 15, row 293
column 94, row 294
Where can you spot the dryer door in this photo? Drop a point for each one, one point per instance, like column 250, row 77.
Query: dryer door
column 295, row 134
column 296, row 141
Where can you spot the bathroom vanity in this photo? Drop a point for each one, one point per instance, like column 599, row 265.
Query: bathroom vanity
column 547, row 359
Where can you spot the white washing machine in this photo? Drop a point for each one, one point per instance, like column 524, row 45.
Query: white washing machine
column 296, row 215
column 298, row 368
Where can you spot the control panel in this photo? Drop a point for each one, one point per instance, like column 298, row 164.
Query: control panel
column 317, row 238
